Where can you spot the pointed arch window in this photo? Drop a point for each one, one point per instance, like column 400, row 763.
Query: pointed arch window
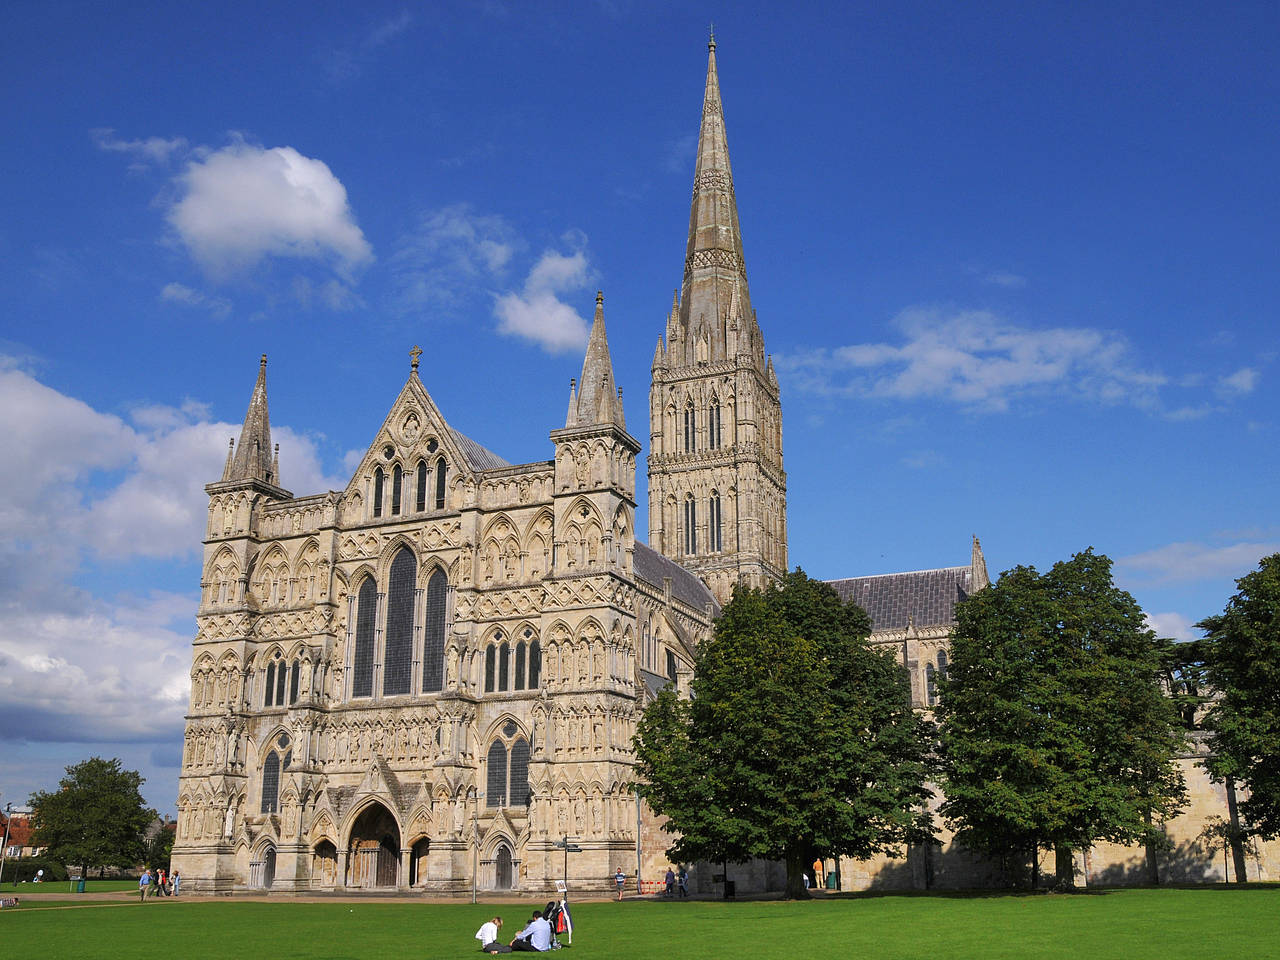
column 377, row 492
column 362, row 658
column 671, row 666
column 441, row 472
column 280, row 681
column 420, row 501
column 521, row 650
column 714, row 438
column 690, row 525
column 930, row 684
column 507, row 777
column 269, row 688
column 433, row 644
column 295, row 673
column 398, row 657
column 496, row 794
column 688, row 427
column 504, row 666
column 715, row 529
column 397, row 483
column 271, row 783
column 490, row 662
column 535, row 662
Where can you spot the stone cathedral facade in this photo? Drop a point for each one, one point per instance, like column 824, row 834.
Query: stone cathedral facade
column 426, row 680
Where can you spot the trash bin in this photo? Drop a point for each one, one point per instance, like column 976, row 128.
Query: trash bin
column 730, row 889
column 831, row 880
column 80, row 886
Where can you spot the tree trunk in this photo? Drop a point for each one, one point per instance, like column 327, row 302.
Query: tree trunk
column 1035, row 867
column 795, row 860
column 1237, row 841
column 1064, row 864
column 1153, row 859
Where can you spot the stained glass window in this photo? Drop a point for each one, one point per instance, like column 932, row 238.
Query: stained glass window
column 433, row 647
column 398, row 659
column 362, row 660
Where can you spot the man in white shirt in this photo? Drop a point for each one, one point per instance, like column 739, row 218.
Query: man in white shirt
column 534, row 937
column 488, row 937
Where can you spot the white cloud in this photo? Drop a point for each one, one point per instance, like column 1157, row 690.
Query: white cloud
column 1241, row 382
column 979, row 361
column 538, row 313
column 1172, row 625
column 244, row 203
column 180, row 293
column 1003, row 278
column 148, row 151
column 78, row 485
column 453, row 254
column 1187, row 561
column 345, row 63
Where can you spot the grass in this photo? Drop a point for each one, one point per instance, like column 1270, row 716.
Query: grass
column 63, row 886
column 1128, row 924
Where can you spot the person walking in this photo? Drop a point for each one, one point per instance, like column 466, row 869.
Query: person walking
column 144, row 882
column 177, row 881
column 620, row 879
column 670, row 880
column 683, row 880
column 161, row 883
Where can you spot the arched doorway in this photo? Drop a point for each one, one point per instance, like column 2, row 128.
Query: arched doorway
column 418, row 862
column 503, row 874
column 324, row 865
column 262, row 871
column 373, row 851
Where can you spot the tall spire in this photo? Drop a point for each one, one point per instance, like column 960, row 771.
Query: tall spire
column 715, row 273
column 253, row 460
column 598, row 400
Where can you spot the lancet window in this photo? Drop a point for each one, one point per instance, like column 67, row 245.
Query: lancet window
column 441, row 471
column 690, row 525
column 689, row 427
column 397, row 674
column 507, row 774
column 377, row 491
column 510, row 666
column 272, row 767
column 715, row 529
column 397, row 483
column 420, row 501
column 714, row 437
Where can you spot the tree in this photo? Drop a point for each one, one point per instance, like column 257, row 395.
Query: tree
column 95, row 818
column 1243, row 663
column 799, row 740
column 1055, row 730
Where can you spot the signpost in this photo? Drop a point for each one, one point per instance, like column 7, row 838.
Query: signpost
column 568, row 848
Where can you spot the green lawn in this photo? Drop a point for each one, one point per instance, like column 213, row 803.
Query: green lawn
column 1129, row 924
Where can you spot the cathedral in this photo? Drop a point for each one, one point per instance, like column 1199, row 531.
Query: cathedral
column 429, row 680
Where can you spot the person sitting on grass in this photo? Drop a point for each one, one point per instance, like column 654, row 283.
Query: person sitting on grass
column 535, row 937
column 488, row 937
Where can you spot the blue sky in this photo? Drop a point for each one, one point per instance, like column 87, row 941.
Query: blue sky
column 1016, row 264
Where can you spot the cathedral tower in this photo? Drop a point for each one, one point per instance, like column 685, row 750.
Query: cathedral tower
column 717, row 488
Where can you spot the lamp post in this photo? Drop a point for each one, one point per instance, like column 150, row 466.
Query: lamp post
column 475, row 840
column 4, row 847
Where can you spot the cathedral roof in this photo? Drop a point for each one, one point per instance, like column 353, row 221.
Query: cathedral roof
column 651, row 567
column 923, row 597
column 477, row 456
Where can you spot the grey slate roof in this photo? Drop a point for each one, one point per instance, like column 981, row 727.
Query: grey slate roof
column 477, row 456
column 651, row 566
column 927, row 597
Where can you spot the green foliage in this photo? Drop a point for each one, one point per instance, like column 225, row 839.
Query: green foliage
column 1128, row 924
column 24, row 870
column 157, row 850
column 95, row 818
column 799, row 739
column 1244, row 666
column 1055, row 728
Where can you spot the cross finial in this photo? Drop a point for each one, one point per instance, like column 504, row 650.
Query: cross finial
column 414, row 354
column 711, row 43
column 599, row 298
column 263, row 361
